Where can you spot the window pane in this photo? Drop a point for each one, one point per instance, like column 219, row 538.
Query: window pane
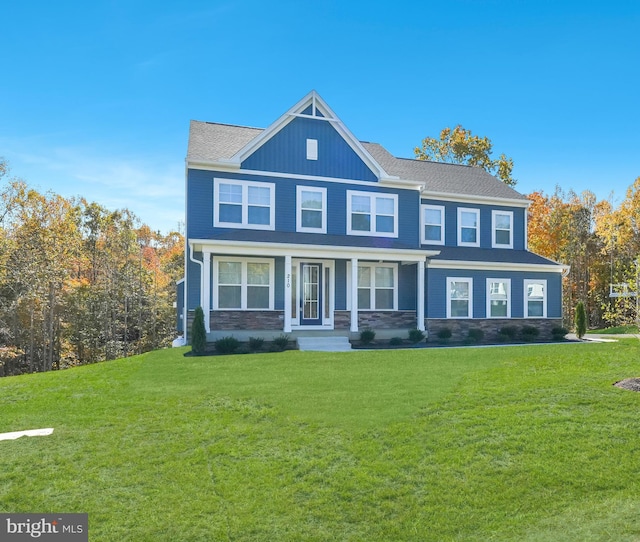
column 384, row 206
column 229, row 272
column 535, row 291
column 311, row 200
column 384, row 224
column 257, row 297
column 460, row 290
column 499, row 308
column 360, row 222
column 384, row 299
column 535, row 308
column 312, row 219
column 503, row 237
column 469, row 219
column 230, row 213
column 230, row 193
column 259, row 215
column 360, row 204
column 384, row 277
column 364, row 277
column 498, row 290
column 432, row 233
column 229, row 297
column 503, row 222
column 258, row 273
column 459, row 308
column 259, row 195
column 468, row 235
column 433, row 216
column 364, row 298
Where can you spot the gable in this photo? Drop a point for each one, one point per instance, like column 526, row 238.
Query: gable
column 286, row 152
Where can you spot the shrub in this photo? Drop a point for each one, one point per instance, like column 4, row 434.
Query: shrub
column 281, row 342
column 255, row 343
column 580, row 320
column 198, row 333
column 416, row 335
column 475, row 335
column 507, row 333
column 529, row 333
column 367, row 336
column 444, row 334
column 558, row 333
column 395, row 341
column 226, row 345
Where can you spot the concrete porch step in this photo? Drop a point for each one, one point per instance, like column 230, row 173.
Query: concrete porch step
column 324, row 344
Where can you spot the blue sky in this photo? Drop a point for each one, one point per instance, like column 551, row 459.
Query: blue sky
column 96, row 97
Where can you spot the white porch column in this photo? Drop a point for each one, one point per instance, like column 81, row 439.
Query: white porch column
column 287, row 294
column 420, row 305
column 205, row 297
column 354, row 295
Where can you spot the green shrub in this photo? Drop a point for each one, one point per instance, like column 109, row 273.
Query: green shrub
column 507, row 333
column 255, row 343
column 475, row 335
column 416, row 335
column 198, row 333
column 226, row 345
column 281, row 342
column 444, row 334
column 395, row 341
column 529, row 333
column 558, row 333
column 580, row 320
column 367, row 336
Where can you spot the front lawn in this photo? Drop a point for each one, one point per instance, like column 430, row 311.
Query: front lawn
column 524, row 443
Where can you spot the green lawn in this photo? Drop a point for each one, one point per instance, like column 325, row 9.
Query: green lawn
column 626, row 329
column 527, row 443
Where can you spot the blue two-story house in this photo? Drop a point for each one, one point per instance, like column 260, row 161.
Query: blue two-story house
column 301, row 228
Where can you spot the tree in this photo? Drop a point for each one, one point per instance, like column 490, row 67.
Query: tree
column 581, row 320
column 198, row 333
column 460, row 146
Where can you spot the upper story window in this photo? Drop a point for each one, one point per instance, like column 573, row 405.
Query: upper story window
column 372, row 213
column 311, row 209
column 502, row 229
column 243, row 284
column 377, row 286
column 498, row 298
column 535, row 298
column 244, row 204
column 468, row 227
column 459, row 297
column 432, row 224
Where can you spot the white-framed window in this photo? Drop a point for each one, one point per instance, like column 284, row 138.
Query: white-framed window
column 243, row 283
column 468, row 227
column 498, row 298
column 432, row 224
column 459, row 297
column 372, row 213
column 312, row 149
column 244, row 204
column 311, row 209
column 535, row 298
column 502, row 229
column 377, row 286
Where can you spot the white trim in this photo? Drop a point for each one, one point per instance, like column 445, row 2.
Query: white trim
column 323, row 191
column 469, row 281
column 423, row 224
column 462, row 243
column 494, row 243
column 488, row 295
column 420, row 297
column 327, row 323
column 469, row 198
column 525, row 307
column 372, row 286
column 495, row 266
column 373, row 197
column 288, row 293
column 206, row 290
column 244, row 204
column 352, row 288
column 243, row 282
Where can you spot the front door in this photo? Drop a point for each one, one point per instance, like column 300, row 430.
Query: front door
column 311, row 294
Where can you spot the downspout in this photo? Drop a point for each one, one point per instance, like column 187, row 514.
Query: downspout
column 201, row 264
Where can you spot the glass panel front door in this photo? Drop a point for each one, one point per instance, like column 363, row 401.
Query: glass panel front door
column 311, row 294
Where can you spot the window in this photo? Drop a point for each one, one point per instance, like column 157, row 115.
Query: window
column 498, row 298
column 312, row 149
column 243, row 284
column 459, row 297
column 377, row 287
column 311, row 209
column 244, row 204
column 502, row 229
column 535, row 298
column 433, row 224
column 469, row 227
column 372, row 214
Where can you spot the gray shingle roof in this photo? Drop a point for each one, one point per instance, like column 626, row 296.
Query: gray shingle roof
column 211, row 142
column 473, row 254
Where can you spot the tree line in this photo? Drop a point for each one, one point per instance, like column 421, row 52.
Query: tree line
column 79, row 283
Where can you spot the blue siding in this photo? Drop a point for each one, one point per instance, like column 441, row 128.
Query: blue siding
column 180, row 307
column 278, row 302
column 436, row 290
column 341, row 285
column 407, row 285
column 193, row 282
column 286, row 152
column 451, row 222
